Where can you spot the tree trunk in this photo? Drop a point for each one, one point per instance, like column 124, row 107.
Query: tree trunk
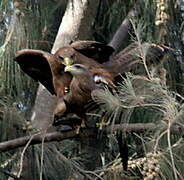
column 75, row 25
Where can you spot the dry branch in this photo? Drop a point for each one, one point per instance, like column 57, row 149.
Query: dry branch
column 59, row 136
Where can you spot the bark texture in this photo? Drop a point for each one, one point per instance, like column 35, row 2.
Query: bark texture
column 57, row 136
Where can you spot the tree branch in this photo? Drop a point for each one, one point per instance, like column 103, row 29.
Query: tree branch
column 59, row 136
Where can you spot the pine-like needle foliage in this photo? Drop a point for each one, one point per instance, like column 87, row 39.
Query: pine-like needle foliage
column 146, row 98
column 146, row 95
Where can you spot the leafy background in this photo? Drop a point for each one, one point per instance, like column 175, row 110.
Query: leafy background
column 152, row 155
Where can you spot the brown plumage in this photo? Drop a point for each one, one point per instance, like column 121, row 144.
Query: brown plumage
column 92, row 49
column 48, row 69
column 81, row 86
column 84, row 52
column 68, row 55
column 129, row 59
column 43, row 67
column 122, row 62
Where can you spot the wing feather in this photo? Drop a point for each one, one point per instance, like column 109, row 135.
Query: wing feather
column 93, row 49
column 125, row 60
column 37, row 64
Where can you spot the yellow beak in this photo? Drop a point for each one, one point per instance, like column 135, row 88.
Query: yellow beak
column 68, row 61
column 68, row 68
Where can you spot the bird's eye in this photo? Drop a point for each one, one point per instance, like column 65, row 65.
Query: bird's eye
column 61, row 58
column 72, row 56
column 78, row 66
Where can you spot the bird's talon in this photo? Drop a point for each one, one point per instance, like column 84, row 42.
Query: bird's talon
column 83, row 125
column 78, row 129
column 101, row 124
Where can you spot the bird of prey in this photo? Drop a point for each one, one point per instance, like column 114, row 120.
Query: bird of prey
column 82, row 84
column 84, row 81
column 92, row 50
column 92, row 58
column 48, row 68
column 125, row 61
column 81, row 87
column 81, row 67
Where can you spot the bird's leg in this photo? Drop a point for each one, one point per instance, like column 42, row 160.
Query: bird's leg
column 78, row 127
column 59, row 111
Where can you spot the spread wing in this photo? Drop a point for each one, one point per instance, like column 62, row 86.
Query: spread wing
column 125, row 60
column 93, row 49
column 37, row 64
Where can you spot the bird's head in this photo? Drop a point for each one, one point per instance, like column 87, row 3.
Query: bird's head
column 67, row 61
column 66, row 55
column 76, row 69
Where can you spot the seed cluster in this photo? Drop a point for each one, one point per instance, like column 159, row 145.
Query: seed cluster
column 151, row 167
column 162, row 16
column 18, row 5
column 148, row 166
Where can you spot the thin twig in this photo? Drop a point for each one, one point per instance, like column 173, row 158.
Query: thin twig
column 22, row 156
column 170, row 150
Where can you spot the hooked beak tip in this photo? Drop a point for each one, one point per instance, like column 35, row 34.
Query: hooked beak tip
column 67, row 69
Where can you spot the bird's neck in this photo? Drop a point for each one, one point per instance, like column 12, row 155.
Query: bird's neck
column 84, row 81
